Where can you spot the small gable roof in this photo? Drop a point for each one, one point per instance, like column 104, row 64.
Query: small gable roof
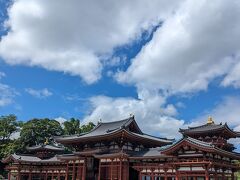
column 201, row 145
column 29, row 159
column 45, row 147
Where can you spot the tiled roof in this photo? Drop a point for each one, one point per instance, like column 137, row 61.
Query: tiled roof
column 30, row 159
column 205, row 145
column 105, row 129
column 100, row 129
column 152, row 152
column 45, row 147
column 209, row 128
column 154, row 138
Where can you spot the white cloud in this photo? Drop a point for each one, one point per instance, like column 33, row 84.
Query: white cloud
column 72, row 36
column 151, row 112
column 7, row 95
column 39, row 93
column 61, row 120
column 226, row 110
column 194, row 46
column 2, row 74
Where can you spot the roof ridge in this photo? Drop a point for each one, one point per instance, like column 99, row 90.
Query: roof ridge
column 164, row 138
column 127, row 119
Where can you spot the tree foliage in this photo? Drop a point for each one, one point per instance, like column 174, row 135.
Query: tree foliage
column 88, row 127
column 72, row 126
column 36, row 131
column 8, row 125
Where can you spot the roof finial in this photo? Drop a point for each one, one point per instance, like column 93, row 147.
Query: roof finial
column 131, row 115
column 100, row 121
column 46, row 142
column 210, row 120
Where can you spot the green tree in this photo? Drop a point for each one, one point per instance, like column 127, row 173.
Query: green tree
column 8, row 125
column 36, row 131
column 72, row 126
column 88, row 127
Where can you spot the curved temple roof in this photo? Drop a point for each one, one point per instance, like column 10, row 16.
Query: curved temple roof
column 45, row 147
column 200, row 145
column 103, row 130
column 206, row 128
column 29, row 159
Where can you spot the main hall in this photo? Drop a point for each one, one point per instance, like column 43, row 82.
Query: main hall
column 119, row 150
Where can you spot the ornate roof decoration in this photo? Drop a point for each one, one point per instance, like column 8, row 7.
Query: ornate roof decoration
column 210, row 120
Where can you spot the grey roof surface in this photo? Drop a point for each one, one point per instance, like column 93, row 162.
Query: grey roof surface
column 205, row 127
column 153, row 137
column 200, row 143
column 28, row 158
column 205, row 145
column 152, row 152
column 45, row 147
column 101, row 129
column 107, row 128
column 208, row 128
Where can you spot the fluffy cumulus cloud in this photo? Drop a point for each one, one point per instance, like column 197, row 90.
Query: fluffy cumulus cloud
column 150, row 110
column 72, row 36
column 39, row 93
column 194, row 46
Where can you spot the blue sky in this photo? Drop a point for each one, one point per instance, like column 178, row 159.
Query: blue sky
column 165, row 62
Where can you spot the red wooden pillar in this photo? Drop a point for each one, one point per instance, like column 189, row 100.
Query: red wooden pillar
column 99, row 170
column 140, row 174
column 223, row 175
column 111, row 169
column 165, row 173
column 19, row 175
column 84, row 170
column 177, row 176
column 74, row 170
column 152, row 175
column 206, row 175
column 58, row 174
column 46, row 175
column 66, row 174
column 120, row 169
column 30, row 175
column 9, row 175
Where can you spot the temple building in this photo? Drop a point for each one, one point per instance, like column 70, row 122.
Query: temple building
column 121, row 151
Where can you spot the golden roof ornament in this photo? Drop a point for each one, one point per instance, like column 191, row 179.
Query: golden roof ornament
column 210, row 120
column 46, row 142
